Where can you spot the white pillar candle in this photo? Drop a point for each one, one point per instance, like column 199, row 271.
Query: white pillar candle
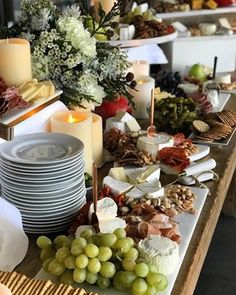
column 97, row 139
column 77, row 124
column 15, row 61
column 106, row 4
column 142, row 96
column 141, row 67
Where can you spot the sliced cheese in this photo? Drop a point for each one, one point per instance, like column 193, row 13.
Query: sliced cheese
column 27, row 90
column 197, row 4
column 22, row 85
column 211, row 4
column 35, row 92
column 118, row 173
column 50, row 88
column 110, row 225
column 117, row 187
column 161, row 252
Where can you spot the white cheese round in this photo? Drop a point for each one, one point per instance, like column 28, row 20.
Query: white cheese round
column 223, row 78
column 152, row 144
column 161, row 252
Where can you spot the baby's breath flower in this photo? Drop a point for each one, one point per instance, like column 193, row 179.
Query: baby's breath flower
column 72, row 11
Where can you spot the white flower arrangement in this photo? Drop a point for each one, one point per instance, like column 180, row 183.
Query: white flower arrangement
column 66, row 52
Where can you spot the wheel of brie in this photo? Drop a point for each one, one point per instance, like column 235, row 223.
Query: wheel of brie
column 152, row 144
column 161, row 252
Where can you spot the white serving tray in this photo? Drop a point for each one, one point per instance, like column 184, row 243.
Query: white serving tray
column 203, row 151
column 15, row 114
column 223, row 99
column 187, row 224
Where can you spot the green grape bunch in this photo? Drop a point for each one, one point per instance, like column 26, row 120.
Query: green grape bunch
column 104, row 259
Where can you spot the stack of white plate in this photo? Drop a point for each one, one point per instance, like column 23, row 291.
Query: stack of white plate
column 42, row 174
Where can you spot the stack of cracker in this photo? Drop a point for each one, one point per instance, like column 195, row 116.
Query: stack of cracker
column 21, row 285
column 221, row 125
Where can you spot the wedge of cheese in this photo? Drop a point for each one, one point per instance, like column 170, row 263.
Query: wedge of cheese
column 150, row 173
column 118, row 173
column 117, row 187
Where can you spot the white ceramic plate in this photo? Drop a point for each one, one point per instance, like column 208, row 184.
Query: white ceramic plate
column 38, row 187
column 38, row 180
column 48, row 230
column 49, row 168
column 41, row 204
column 52, row 217
column 41, row 148
column 141, row 42
column 75, row 202
column 44, row 194
column 37, row 174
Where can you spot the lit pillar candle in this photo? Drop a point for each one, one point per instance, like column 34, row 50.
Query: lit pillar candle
column 106, row 4
column 97, row 139
column 142, row 96
column 77, row 124
column 15, row 61
column 141, row 67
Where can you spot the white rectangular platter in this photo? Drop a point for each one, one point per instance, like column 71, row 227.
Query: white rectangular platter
column 223, row 99
column 187, row 224
column 17, row 113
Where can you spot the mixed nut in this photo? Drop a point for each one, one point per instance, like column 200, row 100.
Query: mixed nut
column 177, row 199
column 189, row 148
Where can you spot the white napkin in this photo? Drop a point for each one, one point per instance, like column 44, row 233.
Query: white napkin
column 38, row 122
column 151, row 53
column 13, row 241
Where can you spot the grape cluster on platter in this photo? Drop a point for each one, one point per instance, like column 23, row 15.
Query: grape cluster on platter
column 169, row 81
column 104, row 259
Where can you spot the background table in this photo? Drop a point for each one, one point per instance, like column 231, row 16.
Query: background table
column 188, row 275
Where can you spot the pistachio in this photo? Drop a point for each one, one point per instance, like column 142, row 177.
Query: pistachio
column 124, row 209
column 128, row 201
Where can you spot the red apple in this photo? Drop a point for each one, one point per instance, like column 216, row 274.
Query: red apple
column 109, row 108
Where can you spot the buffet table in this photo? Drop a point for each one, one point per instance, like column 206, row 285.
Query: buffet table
column 192, row 264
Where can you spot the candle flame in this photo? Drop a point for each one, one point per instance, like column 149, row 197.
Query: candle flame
column 140, row 81
column 71, row 119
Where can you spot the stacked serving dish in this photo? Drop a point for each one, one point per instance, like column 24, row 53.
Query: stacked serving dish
column 42, row 174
